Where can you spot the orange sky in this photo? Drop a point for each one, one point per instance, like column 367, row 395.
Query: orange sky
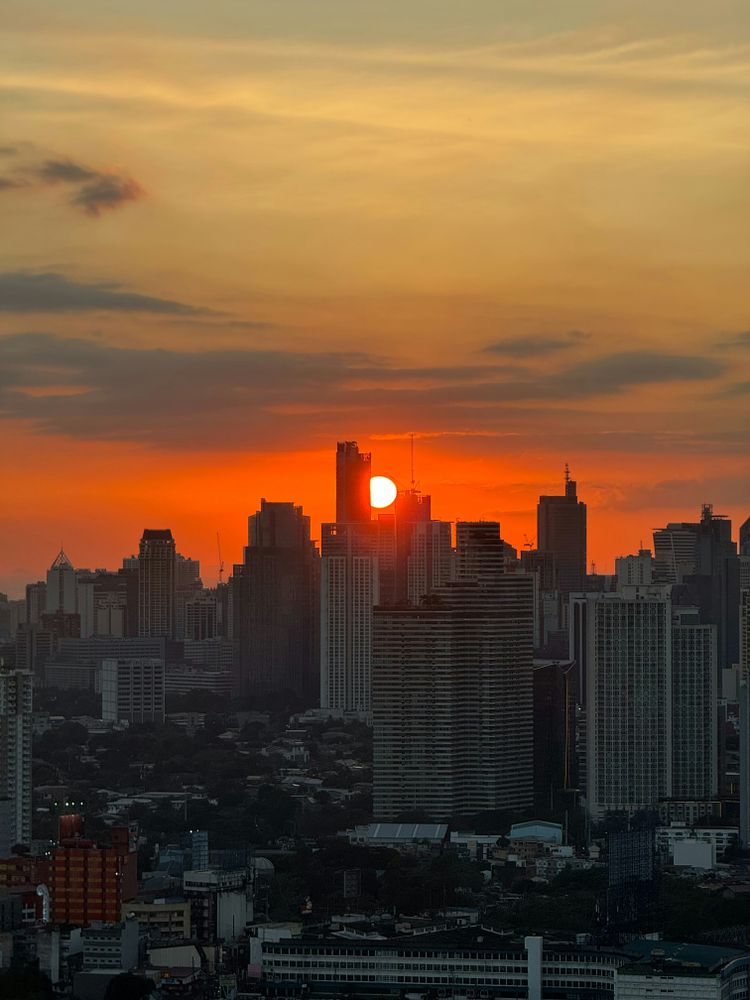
column 235, row 233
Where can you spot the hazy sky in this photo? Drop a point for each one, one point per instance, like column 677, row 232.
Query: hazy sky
column 235, row 232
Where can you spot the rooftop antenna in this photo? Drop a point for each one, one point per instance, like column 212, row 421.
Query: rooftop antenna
column 221, row 561
column 567, row 473
column 411, row 449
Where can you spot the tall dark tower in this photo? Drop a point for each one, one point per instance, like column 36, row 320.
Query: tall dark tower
column 561, row 530
column 156, row 583
column 352, row 484
column 275, row 595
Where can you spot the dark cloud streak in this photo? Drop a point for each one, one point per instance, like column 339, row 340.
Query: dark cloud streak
column 259, row 399
column 26, row 292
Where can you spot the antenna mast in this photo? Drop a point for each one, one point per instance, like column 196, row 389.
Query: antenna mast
column 221, row 561
column 411, row 449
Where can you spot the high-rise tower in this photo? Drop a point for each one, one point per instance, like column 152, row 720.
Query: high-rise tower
column 156, row 583
column 61, row 587
column 352, row 483
column 452, row 690
column 561, row 530
column 275, row 605
column 16, row 687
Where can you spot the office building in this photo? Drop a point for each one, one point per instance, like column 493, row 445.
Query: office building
column 561, row 531
column 701, row 560
column 16, row 687
column 156, row 584
column 452, row 690
column 36, row 601
column 636, row 570
column 61, row 587
column 104, row 606
column 133, row 690
column 275, row 597
column 353, row 470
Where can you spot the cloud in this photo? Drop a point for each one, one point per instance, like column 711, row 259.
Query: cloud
column 65, row 172
column 536, row 346
column 259, row 399
column 94, row 191
column 738, row 340
column 106, row 192
column 26, row 292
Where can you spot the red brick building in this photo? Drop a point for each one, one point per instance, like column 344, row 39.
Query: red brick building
column 90, row 882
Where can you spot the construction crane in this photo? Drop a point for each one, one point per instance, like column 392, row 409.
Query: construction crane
column 221, row 561
column 528, row 543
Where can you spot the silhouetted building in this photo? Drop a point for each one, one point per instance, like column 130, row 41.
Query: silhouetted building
column 694, row 707
column 16, row 689
column 701, row 560
column 452, row 690
column 554, row 684
column 414, row 552
column 635, row 570
column 352, row 483
column 104, row 605
column 36, row 602
column 275, row 605
column 349, row 589
column 62, row 595
column 156, row 584
column 561, row 530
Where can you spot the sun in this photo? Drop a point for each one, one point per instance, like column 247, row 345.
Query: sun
column 382, row 491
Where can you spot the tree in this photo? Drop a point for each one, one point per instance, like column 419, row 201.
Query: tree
column 25, row 984
column 128, row 987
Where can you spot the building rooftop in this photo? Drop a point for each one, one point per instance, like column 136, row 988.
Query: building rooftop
column 403, row 831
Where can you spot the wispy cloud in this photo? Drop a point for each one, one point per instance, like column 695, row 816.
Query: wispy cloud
column 264, row 398
column 93, row 191
column 536, row 345
column 28, row 292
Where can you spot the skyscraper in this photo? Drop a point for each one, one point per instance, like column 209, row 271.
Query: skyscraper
column 16, row 688
column 275, row 605
column 352, row 483
column 452, row 690
column 628, row 654
column 156, row 583
column 701, row 560
column 349, row 589
column 61, row 587
column 694, row 707
column 561, row 530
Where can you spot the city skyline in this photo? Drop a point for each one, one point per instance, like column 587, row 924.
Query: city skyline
column 517, row 233
column 228, row 552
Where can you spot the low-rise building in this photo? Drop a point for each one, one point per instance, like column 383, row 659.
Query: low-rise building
column 410, row 838
column 167, row 919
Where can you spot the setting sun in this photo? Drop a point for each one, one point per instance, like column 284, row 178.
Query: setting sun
column 382, row 491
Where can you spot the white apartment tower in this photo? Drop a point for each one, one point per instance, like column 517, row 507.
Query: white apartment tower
column 348, row 592
column 16, row 687
column 627, row 646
